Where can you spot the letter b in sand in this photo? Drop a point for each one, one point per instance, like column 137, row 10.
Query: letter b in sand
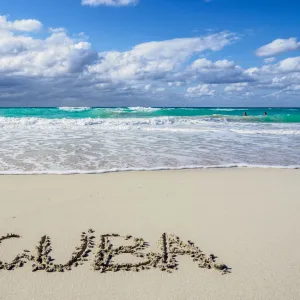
column 104, row 260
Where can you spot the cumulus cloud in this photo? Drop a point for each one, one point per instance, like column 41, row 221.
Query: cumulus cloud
column 57, row 30
column 156, row 60
column 175, row 83
column 221, row 71
column 288, row 65
column 236, row 87
column 200, row 91
column 278, row 46
column 62, row 66
column 283, row 68
column 291, row 64
column 19, row 25
column 56, row 55
column 269, row 60
column 109, row 2
column 294, row 87
column 205, row 64
column 62, row 69
column 282, row 77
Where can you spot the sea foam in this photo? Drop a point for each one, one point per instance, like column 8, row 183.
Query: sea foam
column 74, row 109
column 115, row 170
column 57, row 141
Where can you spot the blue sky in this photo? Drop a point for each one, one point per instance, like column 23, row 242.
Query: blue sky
column 103, row 52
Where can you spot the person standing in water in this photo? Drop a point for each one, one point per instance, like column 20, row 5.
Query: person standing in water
column 265, row 114
column 245, row 114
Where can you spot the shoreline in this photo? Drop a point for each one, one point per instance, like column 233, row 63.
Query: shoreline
column 247, row 218
column 158, row 169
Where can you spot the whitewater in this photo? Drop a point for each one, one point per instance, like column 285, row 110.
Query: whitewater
column 70, row 140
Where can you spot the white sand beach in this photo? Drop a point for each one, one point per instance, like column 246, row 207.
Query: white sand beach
column 248, row 218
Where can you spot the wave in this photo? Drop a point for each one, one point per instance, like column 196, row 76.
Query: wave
column 144, row 109
column 74, row 109
column 287, row 115
column 116, row 170
column 226, row 109
column 268, row 131
column 166, row 124
column 129, row 123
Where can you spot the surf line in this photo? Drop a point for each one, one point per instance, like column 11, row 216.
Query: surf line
column 105, row 254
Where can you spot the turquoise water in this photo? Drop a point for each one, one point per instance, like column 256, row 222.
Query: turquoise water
column 94, row 140
column 284, row 115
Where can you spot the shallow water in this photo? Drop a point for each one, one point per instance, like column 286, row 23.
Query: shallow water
column 89, row 140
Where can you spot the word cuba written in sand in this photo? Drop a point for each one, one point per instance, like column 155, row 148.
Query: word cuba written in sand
column 105, row 255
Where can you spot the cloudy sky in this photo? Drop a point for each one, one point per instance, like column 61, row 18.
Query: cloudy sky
column 149, row 53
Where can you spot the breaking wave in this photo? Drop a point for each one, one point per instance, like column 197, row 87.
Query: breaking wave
column 77, row 140
column 74, row 109
column 167, row 124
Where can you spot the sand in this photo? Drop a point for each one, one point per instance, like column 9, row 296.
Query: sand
column 248, row 218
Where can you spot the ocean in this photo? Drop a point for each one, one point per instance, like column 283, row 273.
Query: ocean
column 71, row 140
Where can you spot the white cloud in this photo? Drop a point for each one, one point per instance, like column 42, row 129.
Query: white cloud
column 205, row 64
column 57, row 30
column 200, row 91
column 156, row 59
column 236, row 87
column 151, row 89
column 221, row 71
column 56, row 55
column 269, row 60
column 294, row 87
column 109, row 2
column 278, row 46
column 159, row 90
column 283, row 67
column 147, row 87
column 252, row 71
column 19, row 25
column 147, row 68
column 288, row 65
column 175, row 83
column 291, row 64
column 64, row 67
column 248, row 94
column 283, row 77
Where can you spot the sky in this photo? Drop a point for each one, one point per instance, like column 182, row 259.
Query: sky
column 149, row 53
